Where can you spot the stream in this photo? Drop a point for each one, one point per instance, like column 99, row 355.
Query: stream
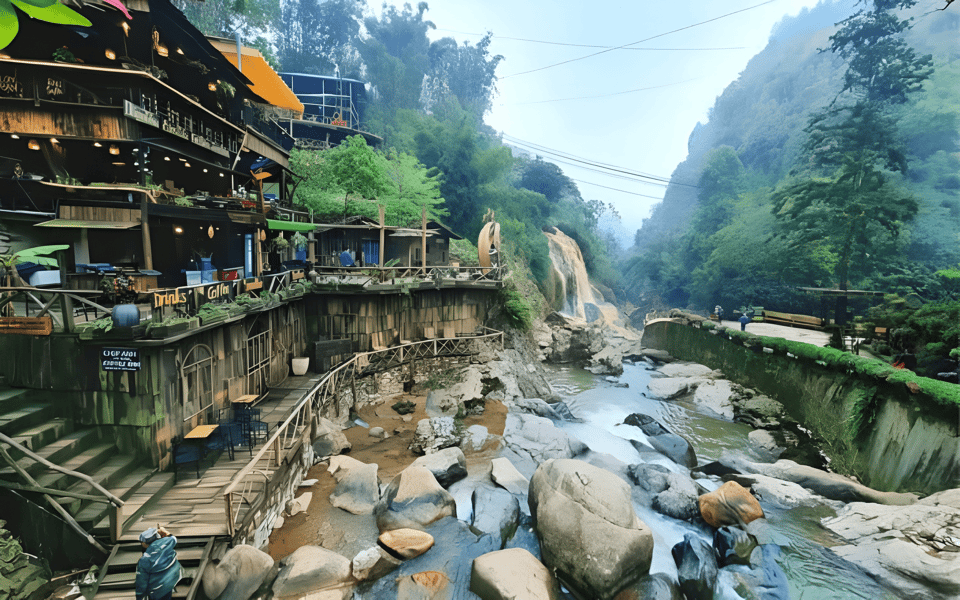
column 813, row 572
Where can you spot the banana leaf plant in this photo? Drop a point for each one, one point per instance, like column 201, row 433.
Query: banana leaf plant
column 49, row 11
column 38, row 255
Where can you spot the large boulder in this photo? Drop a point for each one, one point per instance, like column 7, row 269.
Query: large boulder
column 435, row 434
column 238, row 575
column 764, row 578
column 447, row 402
column 529, row 440
column 534, row 406
column 715, row 396
column 733, row 546
column 589, row 534
column 730, row 504
column 912, row 549
column 504, row 474
column 329, row 439
column 373, row 563
column 829, row 485
column 413, row 500
column 671, row 445
column 696, row 567
column 511, row 575
column 448, row 465
column 358, row 487
column 495, row 511
column 405, row 543
column 516, row 374
column 667, row 492
column 310, row 569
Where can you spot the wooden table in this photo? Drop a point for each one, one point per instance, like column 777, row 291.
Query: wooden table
column 244, row 401
column 200, row 433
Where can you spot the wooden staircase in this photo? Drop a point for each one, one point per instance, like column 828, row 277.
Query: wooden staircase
column 32, row 421
column 118, row 577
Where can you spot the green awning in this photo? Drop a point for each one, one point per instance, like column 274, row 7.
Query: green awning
column 290, row 225
column 83, row 224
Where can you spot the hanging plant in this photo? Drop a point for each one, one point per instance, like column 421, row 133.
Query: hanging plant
column 280, row 243
column 299, row 241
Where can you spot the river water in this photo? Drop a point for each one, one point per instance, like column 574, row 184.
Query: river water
column 813, row 572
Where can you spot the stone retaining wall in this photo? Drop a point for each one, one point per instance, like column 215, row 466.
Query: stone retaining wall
column 909, row 439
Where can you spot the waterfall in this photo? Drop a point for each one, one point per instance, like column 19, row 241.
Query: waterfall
column 580, row 299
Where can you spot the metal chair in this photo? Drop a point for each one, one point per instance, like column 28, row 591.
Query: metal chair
column 185, row 454
column 255, row 429
column 233, row 432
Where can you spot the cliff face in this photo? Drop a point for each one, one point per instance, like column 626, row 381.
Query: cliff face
column 909, row 440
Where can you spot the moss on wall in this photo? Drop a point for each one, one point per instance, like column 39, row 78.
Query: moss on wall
column 893, row 429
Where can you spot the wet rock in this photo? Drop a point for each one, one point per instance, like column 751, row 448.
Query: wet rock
column 667, row 492
column 534, row 406
column 660, row 356
column 760, row 412
column 238, row 575
column 512, row 574
column 670, row 445
column 656, row 586
column 730, row 504
column 426, row 585
column 829, row 485
column 563, row 410
column 783, row 494
column 574, row 342
column 405, row 543
column 435, row 434
column 609, row 361
column 448, row 465
column 696, row 567
column 309, row 569
column 764, row 445
column 716, row 397
column 364, row 562
column 733, row 546
column 459, row 545
column 668, row 388
column 495, row 511
column 475, row 438
column 329, row 440
column 715, row 469
column 413, row 500
column 765, row 580
column 358, row 487
column 589, row 534
column 684, row 369
column 913, row 549
column 504, row 474
column 517, row 374
column 529, row 440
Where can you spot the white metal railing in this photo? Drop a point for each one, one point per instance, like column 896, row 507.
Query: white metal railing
column 247, row 487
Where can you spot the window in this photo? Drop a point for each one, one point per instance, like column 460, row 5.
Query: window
column 196, row 381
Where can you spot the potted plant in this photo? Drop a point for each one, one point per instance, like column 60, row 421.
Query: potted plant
column 299, row 241
column 300, row 364
column 212, row 313
column 171, row 326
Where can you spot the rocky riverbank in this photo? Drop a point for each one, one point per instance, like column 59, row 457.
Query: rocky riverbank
column 501, row 502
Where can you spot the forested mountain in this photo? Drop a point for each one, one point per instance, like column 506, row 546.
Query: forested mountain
column 428, row 99
column 831, row 161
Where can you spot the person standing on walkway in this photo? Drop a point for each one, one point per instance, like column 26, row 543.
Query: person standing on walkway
column 158, row 570
column 718, row 310
column 744, row 319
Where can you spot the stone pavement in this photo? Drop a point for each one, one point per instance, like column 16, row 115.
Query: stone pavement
column 795, row 334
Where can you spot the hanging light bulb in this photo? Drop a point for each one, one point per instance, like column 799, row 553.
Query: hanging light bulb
column 110, row 54
column 33, row 145
column 263, row 235
column 210, row 231
column 114, row 149
column 97, row 145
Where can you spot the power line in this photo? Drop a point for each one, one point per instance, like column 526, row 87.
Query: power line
column 617, row 189
column 607, row 168
column 654, row 87
column 516, row 39
column 638, row 41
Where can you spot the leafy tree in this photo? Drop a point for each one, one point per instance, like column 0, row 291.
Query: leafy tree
column 850, row 211
column 396, row 55
column 318, row 36
column 467, row 72
column 545, row 178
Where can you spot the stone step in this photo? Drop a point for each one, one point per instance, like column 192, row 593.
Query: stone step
column 45, row 433
column 56, row 452
column 92, row 513
column 12, row 398
column 86, row 461
column 127, row 579
column 25, row 416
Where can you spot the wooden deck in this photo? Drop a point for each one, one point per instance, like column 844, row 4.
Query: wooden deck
column 194, row 507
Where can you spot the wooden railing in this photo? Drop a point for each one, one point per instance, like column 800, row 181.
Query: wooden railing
column 60, row 306
column 393, row 274
column 248, row 489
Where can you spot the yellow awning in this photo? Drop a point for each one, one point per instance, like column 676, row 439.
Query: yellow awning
column 266, row 83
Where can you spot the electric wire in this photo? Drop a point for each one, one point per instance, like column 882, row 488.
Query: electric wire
column 638, row 41
column 607, row 168
column 617, row 189
column 517, row 39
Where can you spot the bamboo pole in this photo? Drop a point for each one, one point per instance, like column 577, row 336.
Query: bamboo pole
column 56, row 505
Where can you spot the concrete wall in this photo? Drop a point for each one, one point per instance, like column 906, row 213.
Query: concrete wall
column 911, row 440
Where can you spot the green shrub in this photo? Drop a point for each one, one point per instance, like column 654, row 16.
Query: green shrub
column 518, row 311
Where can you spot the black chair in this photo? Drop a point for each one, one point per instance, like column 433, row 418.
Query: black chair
column 222, row 439
column 233, row 432
column 255, row 429
column 184, row 454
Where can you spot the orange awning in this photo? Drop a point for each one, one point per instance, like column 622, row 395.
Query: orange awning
column 266, row 83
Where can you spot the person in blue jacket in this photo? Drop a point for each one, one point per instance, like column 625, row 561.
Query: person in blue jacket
column 744, row 319
column 158, row 570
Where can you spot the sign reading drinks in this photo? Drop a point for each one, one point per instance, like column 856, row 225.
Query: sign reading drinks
column 120, row 359
column 174, row 297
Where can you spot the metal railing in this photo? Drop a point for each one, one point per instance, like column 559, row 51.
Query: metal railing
column 377, row 274
column 248, row 488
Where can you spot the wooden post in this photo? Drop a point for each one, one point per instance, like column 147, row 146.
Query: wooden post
column 145, row 231
column 382, row 232
column 228, row 499
column 423, row 240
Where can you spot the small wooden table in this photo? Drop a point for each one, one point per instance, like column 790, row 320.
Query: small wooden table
column 244, row 402
column 200, row 433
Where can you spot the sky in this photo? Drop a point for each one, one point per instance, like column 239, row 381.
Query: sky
column 631, row 108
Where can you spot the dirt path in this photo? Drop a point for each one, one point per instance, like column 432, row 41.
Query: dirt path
column 335, row 529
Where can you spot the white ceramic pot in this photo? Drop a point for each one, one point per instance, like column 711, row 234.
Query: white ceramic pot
column 299, row 365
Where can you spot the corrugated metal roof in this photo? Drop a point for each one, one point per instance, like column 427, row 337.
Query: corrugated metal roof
column 84, row 224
